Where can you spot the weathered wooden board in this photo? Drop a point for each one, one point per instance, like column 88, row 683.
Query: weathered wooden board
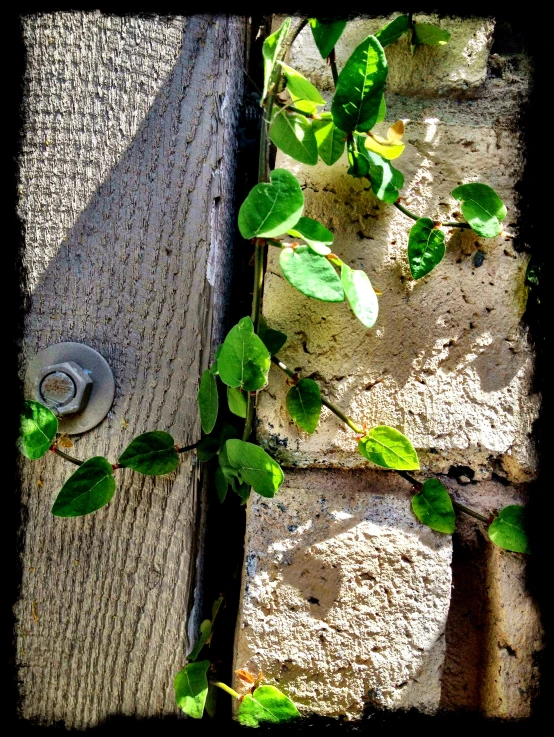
column 126, row 191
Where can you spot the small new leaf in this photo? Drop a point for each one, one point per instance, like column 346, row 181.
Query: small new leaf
column 387, row 447
column 191, row 688
column 270, row 51
column 304, row 404
column 433, row 506
column 360, row 294
column 152, row 453
column 254, row 467
column 37, row 430
column 236, row 399
column 89, row 488
column 482, row 208
column 360, row 87
column 509, row 529
column 244, row 360
column 299, row 87
column 205, row 632
column 430, row 35
column 326, row 35
column 266, row 704
column 311, row 274
column 293, row 134
column 271, row 209
column 330, row 139
column 425, row 247
column 208, row 401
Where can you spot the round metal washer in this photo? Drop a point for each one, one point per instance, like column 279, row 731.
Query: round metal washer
column 103, row 384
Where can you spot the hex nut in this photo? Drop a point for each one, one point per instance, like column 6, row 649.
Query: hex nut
column 53, row 388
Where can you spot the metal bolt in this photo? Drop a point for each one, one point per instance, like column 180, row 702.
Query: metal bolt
column 64, row 387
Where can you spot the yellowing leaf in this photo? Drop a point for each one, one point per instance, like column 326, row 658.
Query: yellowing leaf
column 390, row 147
column 396, row 131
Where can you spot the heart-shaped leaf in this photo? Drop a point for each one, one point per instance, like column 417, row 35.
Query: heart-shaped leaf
column 326, row 35
column 299, row 87
column 273, row 340
column 271, row 209
column 393, row 30
column 270, row 51
column 311, row 274
column 266, row 704
column 509, row 529
column 304, row 404
column 388, row 448
column 254, row 466
column 89, row 488
column 152, row 453
column 360, row 87
column 330, row 139
column 236, row 399
column 244, row 360
column 425, row 247
column 293, row 134
column 191, row 688
column 360, row 294
column 433, row 506
column 208, row 401
column 482, row 208
column 430, row 35
column 37, row 429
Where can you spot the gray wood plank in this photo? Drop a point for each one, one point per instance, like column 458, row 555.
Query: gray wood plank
column 126, row 197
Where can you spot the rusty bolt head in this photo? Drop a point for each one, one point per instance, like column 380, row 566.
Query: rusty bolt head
column 64, row 388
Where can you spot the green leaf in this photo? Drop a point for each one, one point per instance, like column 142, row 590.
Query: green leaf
column 393, row 30
column 360, row 87
column 255, row 467
column 230, row 472
column 208, row 401
column 299, row 87
column 311, row 274
column 89, row 488
column 360, row 294
column 430, row 35
column 211, row 700
column 266, row 704
column 326, row 35
column 271, row 209
column 205, row 632
column 236, row 399
column 358, row 160
column 273, row 340
column 37, row 430
column 382, row 114
column 293, row 134
column 388, row 448
column 425, row 247
column 244, row 360
column 243, row 490
column 509, row 529
column 213, row 368
column 191, row 688
column 482, row 208
column 330, row 140
column 385, row 180
column 270, row 51
column 304, row 404
column 433, row 506
column 152, row 453
column 210, row 444
column 315, row 234
column 221, row 485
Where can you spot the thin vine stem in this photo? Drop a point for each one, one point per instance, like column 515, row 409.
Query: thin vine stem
column 358, row 430
column 185, row 448
column 226, row 688
column 333, row 65
column 413, row 216
column 67, row 457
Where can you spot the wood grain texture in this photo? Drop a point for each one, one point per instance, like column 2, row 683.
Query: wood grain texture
column 126, row 198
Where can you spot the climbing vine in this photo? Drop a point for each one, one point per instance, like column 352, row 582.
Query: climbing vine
column 272, row 216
